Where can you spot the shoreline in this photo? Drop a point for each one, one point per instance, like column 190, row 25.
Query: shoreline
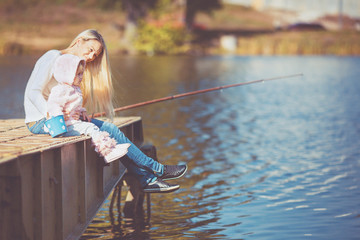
column 270, row 44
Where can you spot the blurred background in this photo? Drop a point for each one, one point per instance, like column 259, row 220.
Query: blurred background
column 244, row 27
column 279, row 160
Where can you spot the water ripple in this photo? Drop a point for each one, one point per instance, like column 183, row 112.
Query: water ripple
column 277, row 160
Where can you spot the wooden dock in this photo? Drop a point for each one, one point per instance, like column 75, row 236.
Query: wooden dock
column 51, row 188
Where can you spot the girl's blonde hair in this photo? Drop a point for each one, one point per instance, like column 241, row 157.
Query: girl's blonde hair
column 97, row 87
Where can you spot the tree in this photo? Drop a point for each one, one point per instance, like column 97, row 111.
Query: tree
column 195, row 6
column 136, row 10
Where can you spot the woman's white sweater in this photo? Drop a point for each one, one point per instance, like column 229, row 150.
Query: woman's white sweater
column 38, row 88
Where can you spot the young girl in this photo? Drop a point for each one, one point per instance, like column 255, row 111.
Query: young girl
column 67, row 97
column 97, row 92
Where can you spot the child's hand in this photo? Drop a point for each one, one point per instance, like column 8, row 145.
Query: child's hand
column 66, row 115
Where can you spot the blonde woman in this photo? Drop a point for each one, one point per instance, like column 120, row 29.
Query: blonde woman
column 97, row 90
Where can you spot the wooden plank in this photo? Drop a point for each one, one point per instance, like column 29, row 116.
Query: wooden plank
column 16, row 140
column 78, row 229
column 70, row 188
column 11, row 222
column 82, row 181
column 37, row 196
column 51, row 198
column 26, row 167
column 94, row 181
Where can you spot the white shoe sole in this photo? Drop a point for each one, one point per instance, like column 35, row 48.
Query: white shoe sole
column 161, row 190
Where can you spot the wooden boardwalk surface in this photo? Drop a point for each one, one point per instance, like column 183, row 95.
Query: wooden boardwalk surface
column 51, row 188
column 17, row 140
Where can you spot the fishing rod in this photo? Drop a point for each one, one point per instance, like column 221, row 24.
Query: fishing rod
column 181, row 95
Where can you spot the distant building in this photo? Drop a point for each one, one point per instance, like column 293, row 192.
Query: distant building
column 307, row 10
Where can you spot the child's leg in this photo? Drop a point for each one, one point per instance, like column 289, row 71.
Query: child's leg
column 104, row 145
column 107, row 147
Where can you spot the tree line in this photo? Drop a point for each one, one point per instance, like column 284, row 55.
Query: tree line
column 135, row 10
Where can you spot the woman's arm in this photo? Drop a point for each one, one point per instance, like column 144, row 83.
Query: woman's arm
column 41, row 75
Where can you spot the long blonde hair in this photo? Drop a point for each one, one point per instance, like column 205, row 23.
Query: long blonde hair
column 97, row 86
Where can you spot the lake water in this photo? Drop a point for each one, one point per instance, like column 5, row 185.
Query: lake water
column 274, row 160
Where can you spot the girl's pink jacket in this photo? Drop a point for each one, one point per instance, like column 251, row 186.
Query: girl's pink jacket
column 66, row 97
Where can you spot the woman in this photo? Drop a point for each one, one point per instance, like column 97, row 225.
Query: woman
column 97, row 92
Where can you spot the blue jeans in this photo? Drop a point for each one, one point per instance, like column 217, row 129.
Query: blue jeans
column 140, row 164
column 137, row 162
column 38, row 127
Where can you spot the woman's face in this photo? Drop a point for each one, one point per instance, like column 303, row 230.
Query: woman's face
column 89, row 49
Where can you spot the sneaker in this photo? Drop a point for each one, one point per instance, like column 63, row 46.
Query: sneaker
column 173, row 171
column 158, row 186
column 119, row 151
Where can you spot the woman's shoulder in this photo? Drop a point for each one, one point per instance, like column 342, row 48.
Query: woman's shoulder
column 51, row 54
column 47, row 59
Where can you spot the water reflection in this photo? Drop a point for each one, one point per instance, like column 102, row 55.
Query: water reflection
column 278, row 160
column 271, row 160
column 15, row 71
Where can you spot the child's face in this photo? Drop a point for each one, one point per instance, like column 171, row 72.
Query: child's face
column 79, row 75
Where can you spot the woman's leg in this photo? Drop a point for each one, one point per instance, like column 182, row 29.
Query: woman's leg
column 38, row 127
column 134, row 153
column 89, row 129
column 145, row 177
column 163, row 172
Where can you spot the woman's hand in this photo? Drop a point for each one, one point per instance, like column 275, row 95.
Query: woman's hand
column 78, row 115
column 85, row 117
